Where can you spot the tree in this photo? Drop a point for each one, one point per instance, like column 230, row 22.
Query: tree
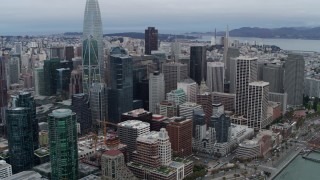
column 224, row 178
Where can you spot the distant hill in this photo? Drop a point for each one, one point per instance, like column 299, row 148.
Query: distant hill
column 137, row 35
column 285, row 32
column 162, row 37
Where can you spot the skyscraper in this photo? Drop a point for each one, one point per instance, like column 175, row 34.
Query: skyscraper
column 190, row 87
column 180, row 133
column 215, row 76
column 198, row 63
column 26, row 100
column 274, row 74
column 39, row 83
column 199, row 127
column 232, row 53
column 20, row 138
column 63, row 144
column 128, row 132
column 121, row 87
column 56, row 52
column 258, row 93
column 50, row 75
column 245, row 72
column 69, row 51
column 80, row 105
column 14, row 70
column 3, row 90
column 93, row 59
column 63, row 79
column 173, row 73
column 226, row 47
column 75, row 86
column 294, row 79
column 151, row 40
column 222, row 125
column 98, row 104
column 156, row 90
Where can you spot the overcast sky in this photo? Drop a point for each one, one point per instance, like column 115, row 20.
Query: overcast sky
column 169, row 16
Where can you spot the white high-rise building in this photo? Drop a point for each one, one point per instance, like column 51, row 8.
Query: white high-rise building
column 186, row 109
column 5, row 169
column 164, row 147
column 215, row 76
column 258, row 96
column 156, row 90
column 190, row 88
column 128, row 132
column 244, row 72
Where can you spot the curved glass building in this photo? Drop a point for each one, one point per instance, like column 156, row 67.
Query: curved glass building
column 92, row 48
column 63, row 144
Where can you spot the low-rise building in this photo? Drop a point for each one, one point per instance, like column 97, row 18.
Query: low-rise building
column 284, row 129
column 5, row 169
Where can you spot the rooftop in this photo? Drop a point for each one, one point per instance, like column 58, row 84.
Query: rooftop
column 189, row 104
column 3, row 164
column 216, row 64
column 42, row 152
column 134, row 124
column 150, row 137
column 113, row 152
column 25, row 175
column 259, row 83
column 91, row 177
column 136, row 112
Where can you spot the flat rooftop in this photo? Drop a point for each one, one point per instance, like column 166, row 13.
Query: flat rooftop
column 259, row 83
column 134, row 124
column 150, row 137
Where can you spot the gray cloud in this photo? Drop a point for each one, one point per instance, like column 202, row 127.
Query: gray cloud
column 167, row 15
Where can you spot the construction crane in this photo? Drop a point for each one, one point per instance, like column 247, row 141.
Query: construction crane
column 105, row 128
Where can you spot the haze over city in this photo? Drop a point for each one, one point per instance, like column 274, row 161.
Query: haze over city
column 159, row 90
column 175, row 16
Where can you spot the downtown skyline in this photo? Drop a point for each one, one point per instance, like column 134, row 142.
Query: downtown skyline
column 35, row 18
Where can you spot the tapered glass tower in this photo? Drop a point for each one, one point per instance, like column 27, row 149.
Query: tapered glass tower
column 92, row 53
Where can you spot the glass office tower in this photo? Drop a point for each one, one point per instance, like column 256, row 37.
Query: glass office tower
column 63, row 144
column 92, row 48
column 20, row 138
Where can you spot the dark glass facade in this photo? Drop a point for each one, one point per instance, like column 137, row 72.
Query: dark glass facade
column 3, row 90
column 69, row 50
column 151, row 40
column 80, row 105
column 198, row 63
column 20, row 138
column 63, row 144
column 63, row 80
column 120, row 94
column 50, row 76
column 198, row 120
column 26, row 100
column 221, row 125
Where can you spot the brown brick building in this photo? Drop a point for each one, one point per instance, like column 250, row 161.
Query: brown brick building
column 180, row 133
